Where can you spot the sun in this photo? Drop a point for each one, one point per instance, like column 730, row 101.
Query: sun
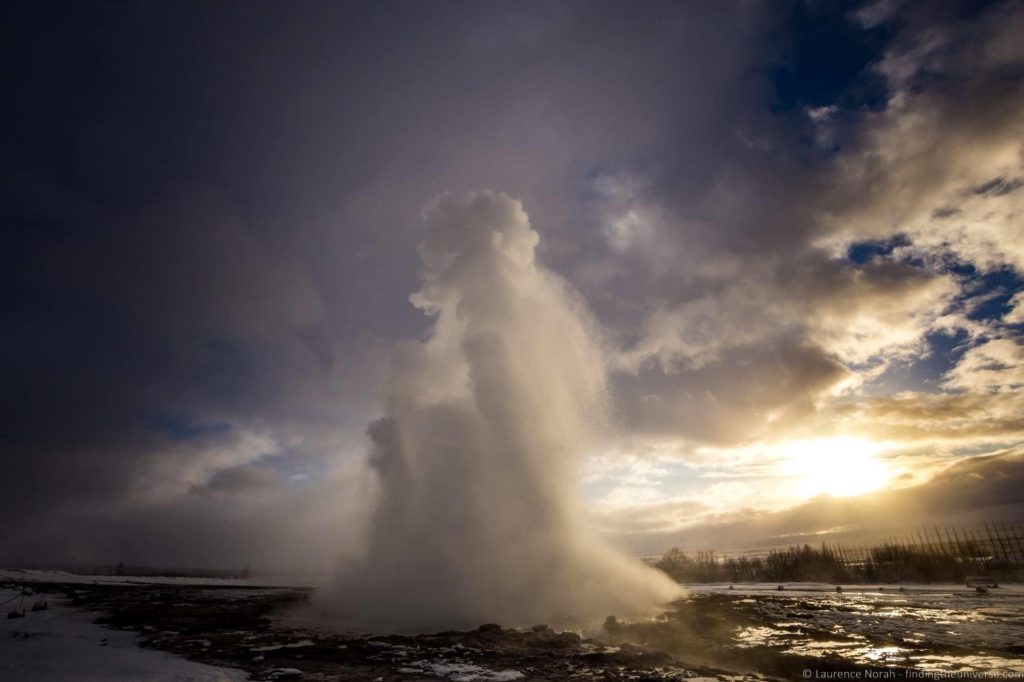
column 839, row 466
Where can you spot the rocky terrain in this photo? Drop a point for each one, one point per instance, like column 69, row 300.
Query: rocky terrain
column 715, row 634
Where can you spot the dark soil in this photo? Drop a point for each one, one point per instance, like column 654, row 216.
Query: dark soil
column 238, row 627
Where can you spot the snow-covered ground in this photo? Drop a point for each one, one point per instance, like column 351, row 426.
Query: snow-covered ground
column 935, row 628
column 60, row 644
column 63, row 577
column 880, row 588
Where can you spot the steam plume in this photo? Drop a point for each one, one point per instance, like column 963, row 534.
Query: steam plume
column 477, row 460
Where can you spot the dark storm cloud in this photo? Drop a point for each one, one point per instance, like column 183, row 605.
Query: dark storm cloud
column 759, row 252
column 209, row 213
column 210, row 216
column 711, row 404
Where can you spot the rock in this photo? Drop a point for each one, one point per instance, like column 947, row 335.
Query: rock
column 489, row 627
column 611, row 624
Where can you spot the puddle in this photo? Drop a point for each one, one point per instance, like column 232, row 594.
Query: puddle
column 938, row 632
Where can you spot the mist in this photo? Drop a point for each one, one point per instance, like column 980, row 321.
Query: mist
column 477, row 460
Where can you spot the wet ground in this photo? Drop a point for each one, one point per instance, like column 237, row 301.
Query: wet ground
column 937, row 631
column 242, row 627
column 716, row 633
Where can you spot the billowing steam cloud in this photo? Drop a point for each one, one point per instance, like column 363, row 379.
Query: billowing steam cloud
column 477, row 460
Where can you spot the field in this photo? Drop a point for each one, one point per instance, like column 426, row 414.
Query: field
column 227, row 630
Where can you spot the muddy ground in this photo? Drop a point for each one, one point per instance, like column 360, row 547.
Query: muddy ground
column 717, row 636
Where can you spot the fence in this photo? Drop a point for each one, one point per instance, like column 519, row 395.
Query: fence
column 928, row 554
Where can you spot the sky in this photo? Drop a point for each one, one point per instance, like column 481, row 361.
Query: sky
column 795, row 228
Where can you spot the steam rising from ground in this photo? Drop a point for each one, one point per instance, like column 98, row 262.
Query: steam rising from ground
column 477, row 461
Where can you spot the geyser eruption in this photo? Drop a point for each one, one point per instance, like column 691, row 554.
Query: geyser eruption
column 478, row 518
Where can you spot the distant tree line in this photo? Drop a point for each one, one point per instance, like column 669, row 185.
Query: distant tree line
column 938, row 556
column 155, row 571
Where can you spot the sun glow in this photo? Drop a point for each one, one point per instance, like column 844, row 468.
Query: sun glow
column 840, row 466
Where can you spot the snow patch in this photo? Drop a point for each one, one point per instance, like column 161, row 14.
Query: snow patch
column 62, row 645
column 293, row 645
column 461, row 672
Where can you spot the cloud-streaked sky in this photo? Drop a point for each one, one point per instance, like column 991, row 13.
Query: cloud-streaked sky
column 798, row 226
